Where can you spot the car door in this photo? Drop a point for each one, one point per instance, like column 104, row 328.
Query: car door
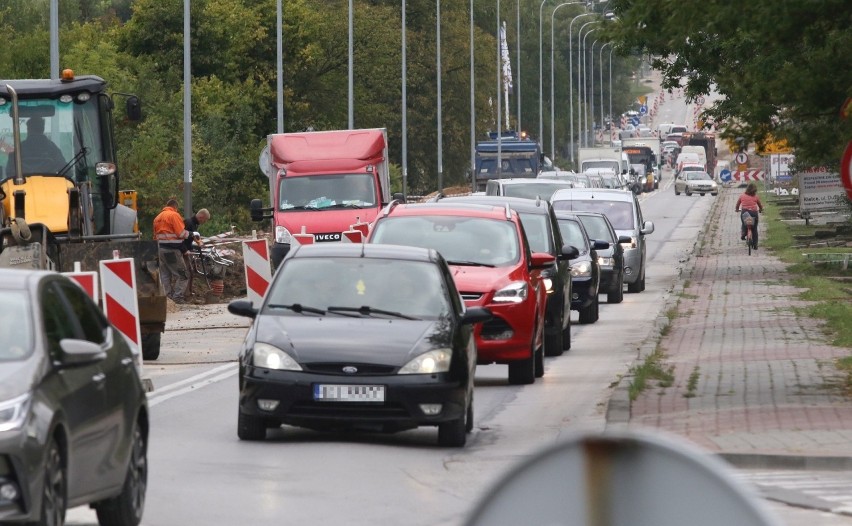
column 120, row 386
column 563, row 266
column 78, row 390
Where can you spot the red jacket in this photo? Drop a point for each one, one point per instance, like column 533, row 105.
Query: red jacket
column 749, row 202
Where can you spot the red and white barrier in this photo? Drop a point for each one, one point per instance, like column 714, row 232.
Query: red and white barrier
column 748, row 175
column 87, row 280
column 303, row 238
column 118, row 283
column 257, row 269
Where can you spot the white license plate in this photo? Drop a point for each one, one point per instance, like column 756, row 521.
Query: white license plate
column 349, row 393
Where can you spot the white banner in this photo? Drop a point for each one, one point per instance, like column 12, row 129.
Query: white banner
column 820, row 191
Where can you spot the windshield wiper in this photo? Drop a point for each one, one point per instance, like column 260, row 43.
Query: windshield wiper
column 296, row 307
column 366, row 310
column 470, row 264
column 346, row 205
column 305, row 207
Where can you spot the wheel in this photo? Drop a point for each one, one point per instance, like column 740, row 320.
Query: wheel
column 702, row 195
column 687, row 192
column 539, row 363
column 53, row 498
column 553, row 345
column 126, row 508
column 676, row 192
column 522, row 372
column 634, row 287
column 714, row 195
column 616, row 292
column 151, row 346
column 749, row 243
column 469, row 425
column 566, row 337
column 454, row 432
column 589, row 314
column 642, row 282
column 250, row 427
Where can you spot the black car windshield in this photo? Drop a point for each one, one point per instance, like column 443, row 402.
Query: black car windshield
column 414, row 289
column 16, row 329
column 318, row 192
column 533, row 190
column 619, row 213
column 596, row 228
column 474, row 240
column 538, row 233
column 572, row 234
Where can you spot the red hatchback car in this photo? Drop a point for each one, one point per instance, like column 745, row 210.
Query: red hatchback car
column 487, row 251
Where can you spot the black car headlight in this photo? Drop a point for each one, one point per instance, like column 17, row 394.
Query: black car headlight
column 13, row 412
column 581, row 270
column 271, row 357
column 434, row 361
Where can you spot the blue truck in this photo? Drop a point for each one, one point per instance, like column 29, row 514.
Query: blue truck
column 520, row 156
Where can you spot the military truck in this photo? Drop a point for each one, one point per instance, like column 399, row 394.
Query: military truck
column 59, row 188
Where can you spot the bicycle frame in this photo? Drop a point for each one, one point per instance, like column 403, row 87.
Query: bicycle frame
column 748, row 221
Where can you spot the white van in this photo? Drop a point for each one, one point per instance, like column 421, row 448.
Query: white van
column 697, row 150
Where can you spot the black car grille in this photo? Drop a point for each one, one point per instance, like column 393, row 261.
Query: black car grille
column 495, row 326
column 337, row 369
column 471, row 296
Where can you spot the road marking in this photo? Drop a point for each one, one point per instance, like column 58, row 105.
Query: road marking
column 192, row 383
column 835, row 489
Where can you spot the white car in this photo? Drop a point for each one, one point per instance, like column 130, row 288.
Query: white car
column 695, row 183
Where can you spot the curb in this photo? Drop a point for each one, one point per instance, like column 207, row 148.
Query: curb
column 792, row 462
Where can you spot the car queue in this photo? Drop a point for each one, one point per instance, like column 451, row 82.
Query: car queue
column 501, row 274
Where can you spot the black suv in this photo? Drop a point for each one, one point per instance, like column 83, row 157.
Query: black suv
column 542, row 231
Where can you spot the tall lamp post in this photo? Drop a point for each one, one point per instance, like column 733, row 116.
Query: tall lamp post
column 351, row 72
column 585, row 109
column 552, row 111
column 540, row 137
column 440, row 127
column 518, row 65
column 571, row 81
column 472, row 111
column 600, row 68
column 592, row 89
column 404, row 107
column 580, row 79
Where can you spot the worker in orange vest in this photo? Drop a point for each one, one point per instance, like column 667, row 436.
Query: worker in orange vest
column 170, row 233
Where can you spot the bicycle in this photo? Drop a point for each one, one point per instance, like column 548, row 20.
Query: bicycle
column 748, row 221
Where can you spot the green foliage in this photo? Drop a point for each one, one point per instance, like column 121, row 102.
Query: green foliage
column 781, row 65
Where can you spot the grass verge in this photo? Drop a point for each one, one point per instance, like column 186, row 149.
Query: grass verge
column 652, row 369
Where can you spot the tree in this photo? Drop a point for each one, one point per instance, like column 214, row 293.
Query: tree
column 782, row 66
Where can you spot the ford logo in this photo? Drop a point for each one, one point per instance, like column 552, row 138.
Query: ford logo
column 350, row 369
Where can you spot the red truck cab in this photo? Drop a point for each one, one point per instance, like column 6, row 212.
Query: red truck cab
column 323, row 182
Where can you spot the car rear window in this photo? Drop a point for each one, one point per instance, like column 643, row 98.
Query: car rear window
column 412, row 288
column 473, row 240
column 531, row 191
column 16, row 329
column 619, row 213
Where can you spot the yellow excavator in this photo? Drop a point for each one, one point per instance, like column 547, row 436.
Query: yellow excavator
column 60, row 201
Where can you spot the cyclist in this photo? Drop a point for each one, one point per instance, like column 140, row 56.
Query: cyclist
column 749, row 202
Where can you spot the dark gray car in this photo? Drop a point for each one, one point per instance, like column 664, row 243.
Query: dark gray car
column 73, row 413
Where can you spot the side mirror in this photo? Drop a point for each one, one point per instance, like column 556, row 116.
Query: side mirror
column 569, row 252
column 398, row 196
column 541, row 260
column 600, row 245
column 258, row 212
column 133, row 108
column 80, row 352
column 648, row 228
column 476, row 315
column 243, row 308
column 624, row 240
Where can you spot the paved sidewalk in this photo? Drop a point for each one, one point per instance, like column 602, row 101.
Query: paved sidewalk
column 763, row 379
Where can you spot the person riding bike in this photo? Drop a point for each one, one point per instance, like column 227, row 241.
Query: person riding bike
column 749, row 202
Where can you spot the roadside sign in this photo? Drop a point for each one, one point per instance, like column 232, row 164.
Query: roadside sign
column 635, row 121
column 257, row 269
column 846, row 170
column 643, row 109
column 725, row 175
column 742, row 158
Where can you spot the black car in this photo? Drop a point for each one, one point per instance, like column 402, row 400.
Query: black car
column 611, row 259
column 73, row 412
column 364, row 337
column 542, row 233
column 585, row 269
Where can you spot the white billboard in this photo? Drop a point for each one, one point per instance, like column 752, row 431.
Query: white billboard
column 820, row 191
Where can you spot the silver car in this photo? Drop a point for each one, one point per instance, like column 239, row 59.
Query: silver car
column 622, row 209
column 695, row 183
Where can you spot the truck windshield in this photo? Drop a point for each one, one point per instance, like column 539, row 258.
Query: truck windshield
column 610, row 165
column 53, row 132
column 317, row 192
column 516, row 166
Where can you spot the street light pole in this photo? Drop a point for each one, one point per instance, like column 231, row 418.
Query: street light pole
column 472, row 111
column 279, row 66
column 592, row 90
column 187, row 114
column 351, row 71
column 610, row 83
column 580, row 82
column 540, row 137
column 518, row 65
column 585, row 108
column 552, row 78
column 600, row 69
column 571, row 81
column 440, row 127
column 404, row 106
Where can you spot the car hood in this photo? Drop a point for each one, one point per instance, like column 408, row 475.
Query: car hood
column 16, row 378
column 331, row 338
column 482, row 279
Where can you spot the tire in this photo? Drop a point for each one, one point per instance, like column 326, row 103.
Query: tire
column 522, row 372
column 469, row 424
column 688, row 193
column 250, row 427
column 539, row 363
column 676, row 192
column 589, row 314
column 635, row 287
column 553, row 345
column 126, row 509
column 616, row 292
column 642, row 282
column 714, row 195
column 702, row 195
column 55, row 489
column 454, row 432
column 151, row 346
column 566, row 337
